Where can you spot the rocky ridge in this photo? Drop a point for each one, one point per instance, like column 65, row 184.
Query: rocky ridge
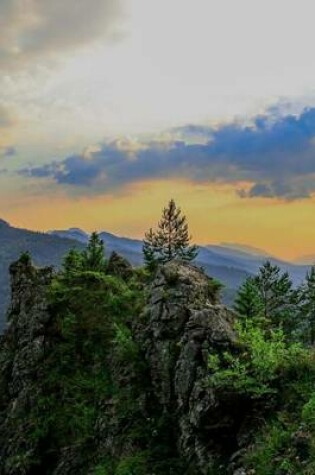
column 181, row 325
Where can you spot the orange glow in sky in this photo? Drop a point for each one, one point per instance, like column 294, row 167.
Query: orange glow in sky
column 215, row 214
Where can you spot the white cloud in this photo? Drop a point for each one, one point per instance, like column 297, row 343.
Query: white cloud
column 38, row 29
column 182, row 61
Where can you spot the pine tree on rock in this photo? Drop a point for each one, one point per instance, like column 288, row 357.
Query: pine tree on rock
column 93, row 258
column 171, row 239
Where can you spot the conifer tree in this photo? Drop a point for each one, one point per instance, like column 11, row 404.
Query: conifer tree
column 149, row 251
column 307, row 312
column 93, row 258
column 170, row 240
column 248, row 302
column 72, row 263
column 277, row 295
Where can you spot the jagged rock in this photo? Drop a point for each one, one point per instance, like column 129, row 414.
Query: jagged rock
column 182, row 325
column 22, row 351
column 119, row 266
column 185, row 325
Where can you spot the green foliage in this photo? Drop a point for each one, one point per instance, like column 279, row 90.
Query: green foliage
column 306, row 315
column 269, row 300
column 215, row 287
column 93, row 346
column 25, row 258
column 271, row 373
column 171, row 239
column 263, row 359
column 95, row 375
column 308, row 413
column 125, row 347
column 277, row 296
column 248, row 302
column 72, row 263
column 133, row 465
column 93, row 258
column 268, row 455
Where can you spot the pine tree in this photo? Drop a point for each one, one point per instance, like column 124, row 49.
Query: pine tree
column 171, row 240
column 307, row 312
column 93, row 258
column 248, row 302
column 149, row 251
column 72, row 263
column 277, row 295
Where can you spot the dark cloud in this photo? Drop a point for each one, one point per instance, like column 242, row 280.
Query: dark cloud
column 34, row 29
column 277, row 155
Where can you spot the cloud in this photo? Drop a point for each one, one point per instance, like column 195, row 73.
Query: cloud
column 7, row 118
column 38, row 29
column 277, row 155
column 7, row 121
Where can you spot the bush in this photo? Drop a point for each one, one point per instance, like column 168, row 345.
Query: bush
column 257, row 367
column 308, row 413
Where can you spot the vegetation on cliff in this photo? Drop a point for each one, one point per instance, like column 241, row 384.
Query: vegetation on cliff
column 110, row 370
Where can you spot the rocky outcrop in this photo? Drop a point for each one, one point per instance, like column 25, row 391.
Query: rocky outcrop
column 22, row 352
column 185, row 326
column 181, row 325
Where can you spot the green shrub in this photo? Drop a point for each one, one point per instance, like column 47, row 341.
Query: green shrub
column 267, row 456
column 308, row 413
column 263, row 357
column 133, row 465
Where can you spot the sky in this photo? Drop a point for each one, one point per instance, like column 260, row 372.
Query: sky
column 110, row 108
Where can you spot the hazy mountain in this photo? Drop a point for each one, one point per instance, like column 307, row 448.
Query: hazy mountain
column 72, row 233
column 308, row 260
column 227, row 263
column 255, row 251
column 249, row 262
column 230, row 263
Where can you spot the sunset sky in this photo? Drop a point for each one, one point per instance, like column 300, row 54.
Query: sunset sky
column 109, row 108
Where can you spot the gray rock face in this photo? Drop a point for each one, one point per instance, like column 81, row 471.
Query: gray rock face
column 182, row 325
column 185, row 326
column 22, row 351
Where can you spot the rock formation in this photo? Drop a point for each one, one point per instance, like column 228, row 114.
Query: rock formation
column 22, row 352
column 185, row 326
column 181, row 325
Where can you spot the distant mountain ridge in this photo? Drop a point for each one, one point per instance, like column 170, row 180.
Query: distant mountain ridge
column 232, row 259
column 308, row 260
column 227, row 263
